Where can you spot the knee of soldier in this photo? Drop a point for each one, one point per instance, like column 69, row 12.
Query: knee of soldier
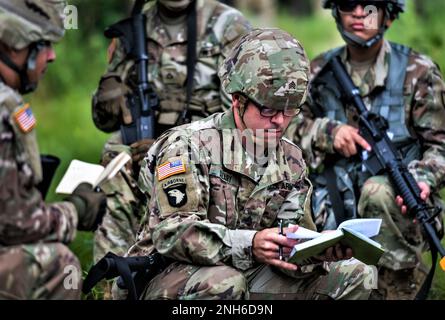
column 57, row 259
column 220, row 282
column 367, row 276
column 358, row 281
column 376, row 193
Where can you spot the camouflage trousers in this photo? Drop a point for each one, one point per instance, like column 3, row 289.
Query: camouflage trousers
column 401, row 269
column 348, row 279
column 39, row 271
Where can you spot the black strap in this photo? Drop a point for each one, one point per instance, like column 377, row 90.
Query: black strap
column 426, row 286
column 334, row 194
column 191, row 59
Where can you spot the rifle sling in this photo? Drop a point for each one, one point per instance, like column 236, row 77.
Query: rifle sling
column 426, row 286
column 334, row 194
column 191, row 57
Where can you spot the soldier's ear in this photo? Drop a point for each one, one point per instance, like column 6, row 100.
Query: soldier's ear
column 19, row 57
column 235, row 101
column 389, row 23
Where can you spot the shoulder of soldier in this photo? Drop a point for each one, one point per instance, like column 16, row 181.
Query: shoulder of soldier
column 420, row 66
column 294, row 156
column 290, row 146
column 187, row 135
column 227, row 23
column 319, row 62
column 9, row 100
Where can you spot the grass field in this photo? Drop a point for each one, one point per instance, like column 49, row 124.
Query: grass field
column 63, row 103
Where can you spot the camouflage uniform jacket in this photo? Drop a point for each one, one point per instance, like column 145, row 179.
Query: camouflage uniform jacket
column 218, row 29
column 208, row 211
column 24, row 217
column 424, row 100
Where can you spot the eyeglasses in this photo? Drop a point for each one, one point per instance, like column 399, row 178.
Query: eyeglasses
column 43, row 44
column 269, row 112
column 349, row 6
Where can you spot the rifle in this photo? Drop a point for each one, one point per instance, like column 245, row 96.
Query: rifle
column 134, row 272
column 385, row 158
column 143, row 101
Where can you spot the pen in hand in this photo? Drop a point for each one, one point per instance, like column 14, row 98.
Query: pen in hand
column 280, row 248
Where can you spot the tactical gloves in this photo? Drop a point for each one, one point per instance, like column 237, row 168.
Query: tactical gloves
column 90, row 206
column 139, row 149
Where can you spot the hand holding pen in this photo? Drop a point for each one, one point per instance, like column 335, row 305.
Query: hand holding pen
column 271, row 246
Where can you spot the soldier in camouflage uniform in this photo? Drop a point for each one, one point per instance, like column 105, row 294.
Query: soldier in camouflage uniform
column 219, row 186
column 407, row 89
column 218, row 28
column 35, row 262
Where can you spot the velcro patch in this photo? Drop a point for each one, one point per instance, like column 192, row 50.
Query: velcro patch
column 170, row 168
column 25, row 118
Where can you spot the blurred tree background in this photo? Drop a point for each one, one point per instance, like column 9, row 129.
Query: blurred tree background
column 63, row 102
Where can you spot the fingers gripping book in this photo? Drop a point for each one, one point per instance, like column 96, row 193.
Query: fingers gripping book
column 354, row 233
column 94, row 174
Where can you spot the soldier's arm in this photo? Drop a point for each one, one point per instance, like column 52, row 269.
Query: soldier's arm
column 180, row 227
column 24, row 217
column 109, row 103
column 428, row 118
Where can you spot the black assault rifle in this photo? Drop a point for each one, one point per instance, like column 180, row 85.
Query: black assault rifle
column 142, row 103
column 385, row 158
column 134, row 272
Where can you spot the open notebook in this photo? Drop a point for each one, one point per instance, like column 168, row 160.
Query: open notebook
column 94, row 174
column 354, row 233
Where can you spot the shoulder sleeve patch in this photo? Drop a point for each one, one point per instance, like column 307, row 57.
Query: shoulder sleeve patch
column 170, row 168
column 25, row 118
column 177, row 193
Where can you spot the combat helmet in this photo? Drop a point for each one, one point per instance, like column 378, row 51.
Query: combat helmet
column 30, row 23
column 392, row 10
column 269, row 67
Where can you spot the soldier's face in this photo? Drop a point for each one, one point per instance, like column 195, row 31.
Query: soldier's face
column 362, row 22
column 265, row 129
column 175, row 5
column 20, row 57
column 45, row 56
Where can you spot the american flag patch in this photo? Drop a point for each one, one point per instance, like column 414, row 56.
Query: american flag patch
column 170, row 168
column 25, row 118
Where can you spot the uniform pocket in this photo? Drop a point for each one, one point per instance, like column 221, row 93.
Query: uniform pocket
column 273, row 206
column 222, row 204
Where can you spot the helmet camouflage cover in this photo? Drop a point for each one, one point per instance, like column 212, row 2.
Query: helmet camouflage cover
column 23, row 22
column 268, row 66
column 396, row 6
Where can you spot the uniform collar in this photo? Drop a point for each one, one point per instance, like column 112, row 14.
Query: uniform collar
column 236, row 158
column 377, row 74
column 157, row 32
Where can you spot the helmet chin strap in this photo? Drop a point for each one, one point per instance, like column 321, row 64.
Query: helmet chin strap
column 356, row 41
column 25, row 84
column 242, row 108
